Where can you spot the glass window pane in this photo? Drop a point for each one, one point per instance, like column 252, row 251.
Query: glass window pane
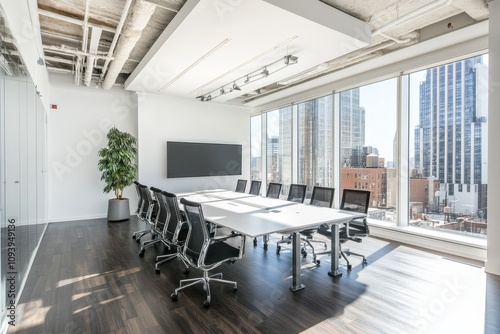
column 279, row 147
column 368, row 145
column 314, row 132
column 256, row 148
column 448, row 146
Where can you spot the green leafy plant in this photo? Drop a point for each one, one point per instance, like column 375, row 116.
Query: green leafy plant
column 117, row 161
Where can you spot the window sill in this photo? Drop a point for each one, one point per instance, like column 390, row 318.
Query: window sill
column 451, row 243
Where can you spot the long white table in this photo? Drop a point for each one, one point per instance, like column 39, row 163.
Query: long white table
column 256, row 216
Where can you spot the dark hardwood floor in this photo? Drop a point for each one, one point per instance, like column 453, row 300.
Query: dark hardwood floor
column 88, row 278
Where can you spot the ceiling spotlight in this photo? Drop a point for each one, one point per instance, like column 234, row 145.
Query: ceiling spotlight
column 235, row 87
column 209, row 98
column 289, row 59
column 265, row 72
column 222, row 91
column 201, row 97
column 247, row 80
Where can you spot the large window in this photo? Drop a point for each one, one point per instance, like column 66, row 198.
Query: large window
column 314, row 142
column 444, row 180
column 279, row 147
column 368, row 144
column 448, row 147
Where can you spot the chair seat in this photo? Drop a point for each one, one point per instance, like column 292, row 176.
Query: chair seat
column 219, row 251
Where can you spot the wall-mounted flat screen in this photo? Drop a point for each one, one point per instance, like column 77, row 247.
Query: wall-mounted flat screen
column 187, row 159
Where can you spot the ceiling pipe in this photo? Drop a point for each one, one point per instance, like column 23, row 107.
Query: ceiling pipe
column 411, row 15
column 141, row 13
column 78, row 70
column 115, row 37
column 79, row 22
column 94, row 44
column 64, row 50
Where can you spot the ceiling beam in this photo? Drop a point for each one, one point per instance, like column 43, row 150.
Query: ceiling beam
column 68, row 19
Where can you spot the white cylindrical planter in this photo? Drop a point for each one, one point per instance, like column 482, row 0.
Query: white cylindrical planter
column 118, row 209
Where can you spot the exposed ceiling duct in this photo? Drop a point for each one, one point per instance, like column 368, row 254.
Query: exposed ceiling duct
column 139, row 18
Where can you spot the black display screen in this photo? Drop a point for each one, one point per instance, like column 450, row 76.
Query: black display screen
column 187, row 159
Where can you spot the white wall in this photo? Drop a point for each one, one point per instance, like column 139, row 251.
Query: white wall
column 76, row 131
column 493, row 260
column 163, row 119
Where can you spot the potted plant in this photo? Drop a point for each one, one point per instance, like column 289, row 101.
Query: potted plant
column 118, row 170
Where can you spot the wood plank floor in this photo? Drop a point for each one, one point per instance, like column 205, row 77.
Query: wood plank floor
column 88, row 278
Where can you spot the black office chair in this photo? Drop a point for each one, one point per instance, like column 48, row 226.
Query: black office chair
column 147, row 212
column 159, row 221
column 255, row 187
column 241, row 186
column 206, row 253
column 296, row 194
column 321, row 196
column 175, row 231
column 352, row 200
column 273, row 191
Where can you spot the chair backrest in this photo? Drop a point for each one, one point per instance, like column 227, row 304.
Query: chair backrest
column 322, row 196
column 163, row 213
column 241, row 186
column 139, row 198
column 146, row 201
column 197, row 237
column 175, row 218
column 355, row 200
column 297, row 193
column 273, row 190
column 255, row 187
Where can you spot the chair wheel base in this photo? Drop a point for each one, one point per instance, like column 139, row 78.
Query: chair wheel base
column 174, row 296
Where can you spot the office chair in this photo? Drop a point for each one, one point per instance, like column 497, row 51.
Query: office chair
column 206, row 253
column 273, row 191
column 161, row 218
column 174, row 233
column 241, row 186
column 321, row 196
column 357, row 201
column 147, row 212
column 296, row 194
column 255, row 187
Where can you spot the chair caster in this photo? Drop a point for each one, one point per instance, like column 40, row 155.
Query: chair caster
column 349, row 267
column 206, row 303
column 317, row 262
column 255, row 242
column 303, row 252
column 364, row 261
column 157, row 270
column 174, row 296
column 141, row 253
column 278, row 249
column 265, row 246
column 186, row 271
column 235, row 289
column 133, row 237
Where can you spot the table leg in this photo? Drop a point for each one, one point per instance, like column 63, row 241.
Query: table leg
column 296, row 279
column 335, row 249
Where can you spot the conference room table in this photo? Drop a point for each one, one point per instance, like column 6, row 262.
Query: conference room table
column 256, row 216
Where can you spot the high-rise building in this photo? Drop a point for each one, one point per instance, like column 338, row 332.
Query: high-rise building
column 450, row 141
column 315, row 137
column 352, row 128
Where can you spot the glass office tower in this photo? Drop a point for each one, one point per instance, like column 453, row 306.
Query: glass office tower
column 450, row 140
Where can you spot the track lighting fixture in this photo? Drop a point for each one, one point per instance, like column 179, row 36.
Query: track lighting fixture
column 249, row 78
